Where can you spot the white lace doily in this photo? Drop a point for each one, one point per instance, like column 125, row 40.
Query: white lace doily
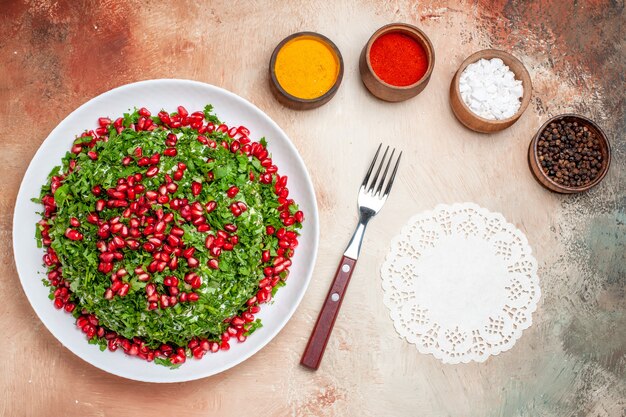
column 461, row 283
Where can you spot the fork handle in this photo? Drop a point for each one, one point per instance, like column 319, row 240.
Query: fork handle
column 326, row 319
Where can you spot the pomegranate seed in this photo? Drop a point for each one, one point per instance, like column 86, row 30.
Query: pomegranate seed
column 232, row 191
column 173, row 240
column 196, row 188
column 152, row 171
column 230, row 227
column 182, row 112
column 144, row 112
column 224, row 346
column 73, row 234
column 265, row 256
column 213, row 264
column 193, row 297
column 193, row 262
column 299, row 216
column 104, row 121
column 92, row 155
column 108, row 294
column 143, row 277
column 210, row 206
column 124, row 290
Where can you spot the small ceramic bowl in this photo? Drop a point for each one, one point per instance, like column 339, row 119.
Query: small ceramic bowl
column 380, row 88
column 298, row 103
column 470, row 119
column 544, row 179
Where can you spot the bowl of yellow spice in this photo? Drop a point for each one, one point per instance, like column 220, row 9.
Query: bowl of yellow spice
column 306, row 69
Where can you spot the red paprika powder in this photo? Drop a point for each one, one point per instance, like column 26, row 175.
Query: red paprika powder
column 398, row 59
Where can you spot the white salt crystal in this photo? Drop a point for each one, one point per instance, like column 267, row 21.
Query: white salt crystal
column 489, row 89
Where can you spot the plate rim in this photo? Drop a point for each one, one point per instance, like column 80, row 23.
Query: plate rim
column 21, row 198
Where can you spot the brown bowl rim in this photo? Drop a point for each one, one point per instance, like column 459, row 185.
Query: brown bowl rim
column 327, row 95
column 526, row 96
column 401, row 27
column 603, row 137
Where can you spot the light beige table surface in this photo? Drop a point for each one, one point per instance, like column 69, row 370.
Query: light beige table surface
column 57, row 55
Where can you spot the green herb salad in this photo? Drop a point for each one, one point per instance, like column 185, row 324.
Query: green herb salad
column 164, row 234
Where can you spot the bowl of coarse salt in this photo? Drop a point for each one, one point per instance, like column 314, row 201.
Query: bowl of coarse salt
column 490, row 91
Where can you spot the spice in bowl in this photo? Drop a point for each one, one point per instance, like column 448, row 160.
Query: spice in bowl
column 396, row 62
column 306, row 69
column 398, row 59
column 570, row 154
column 489, row 88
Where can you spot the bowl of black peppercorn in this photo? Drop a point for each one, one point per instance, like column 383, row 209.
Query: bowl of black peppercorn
column 569, row 154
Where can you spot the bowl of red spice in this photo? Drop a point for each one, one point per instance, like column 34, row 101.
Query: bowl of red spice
column 569, row 154
column 397, row 61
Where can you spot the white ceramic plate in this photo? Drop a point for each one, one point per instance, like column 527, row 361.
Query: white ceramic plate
column 156, row 95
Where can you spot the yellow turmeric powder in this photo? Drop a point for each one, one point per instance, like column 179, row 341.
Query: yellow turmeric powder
column 306, row 67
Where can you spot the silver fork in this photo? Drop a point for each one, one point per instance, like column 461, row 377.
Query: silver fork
column 370, row 201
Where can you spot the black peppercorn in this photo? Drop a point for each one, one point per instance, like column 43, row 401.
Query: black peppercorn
column 570, row 154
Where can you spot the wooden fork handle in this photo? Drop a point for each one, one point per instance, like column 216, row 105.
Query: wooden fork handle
column 326, row 319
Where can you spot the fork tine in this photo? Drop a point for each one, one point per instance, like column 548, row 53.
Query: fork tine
column 382, row 180
column 369, row 171
column 382, row 162
column 393, row 176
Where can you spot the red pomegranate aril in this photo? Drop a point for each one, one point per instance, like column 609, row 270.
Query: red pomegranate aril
column 173, row 240
column 265, row 256
column 73, row 234
column 232, row 191
column 108, row 294
column 210, row 206
column 152, row 171
column 74, row 222
column 213, row 264
column 192, row 262
column 208, row 241
column 104, row 121
column 124, row 290
column 262, row 296
column 203, row 228
column 235, row 210
column 196, row 282
column 143, row 277
column 58, row 303
column 215, row 251
column 182, row 112
column 193, row 297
